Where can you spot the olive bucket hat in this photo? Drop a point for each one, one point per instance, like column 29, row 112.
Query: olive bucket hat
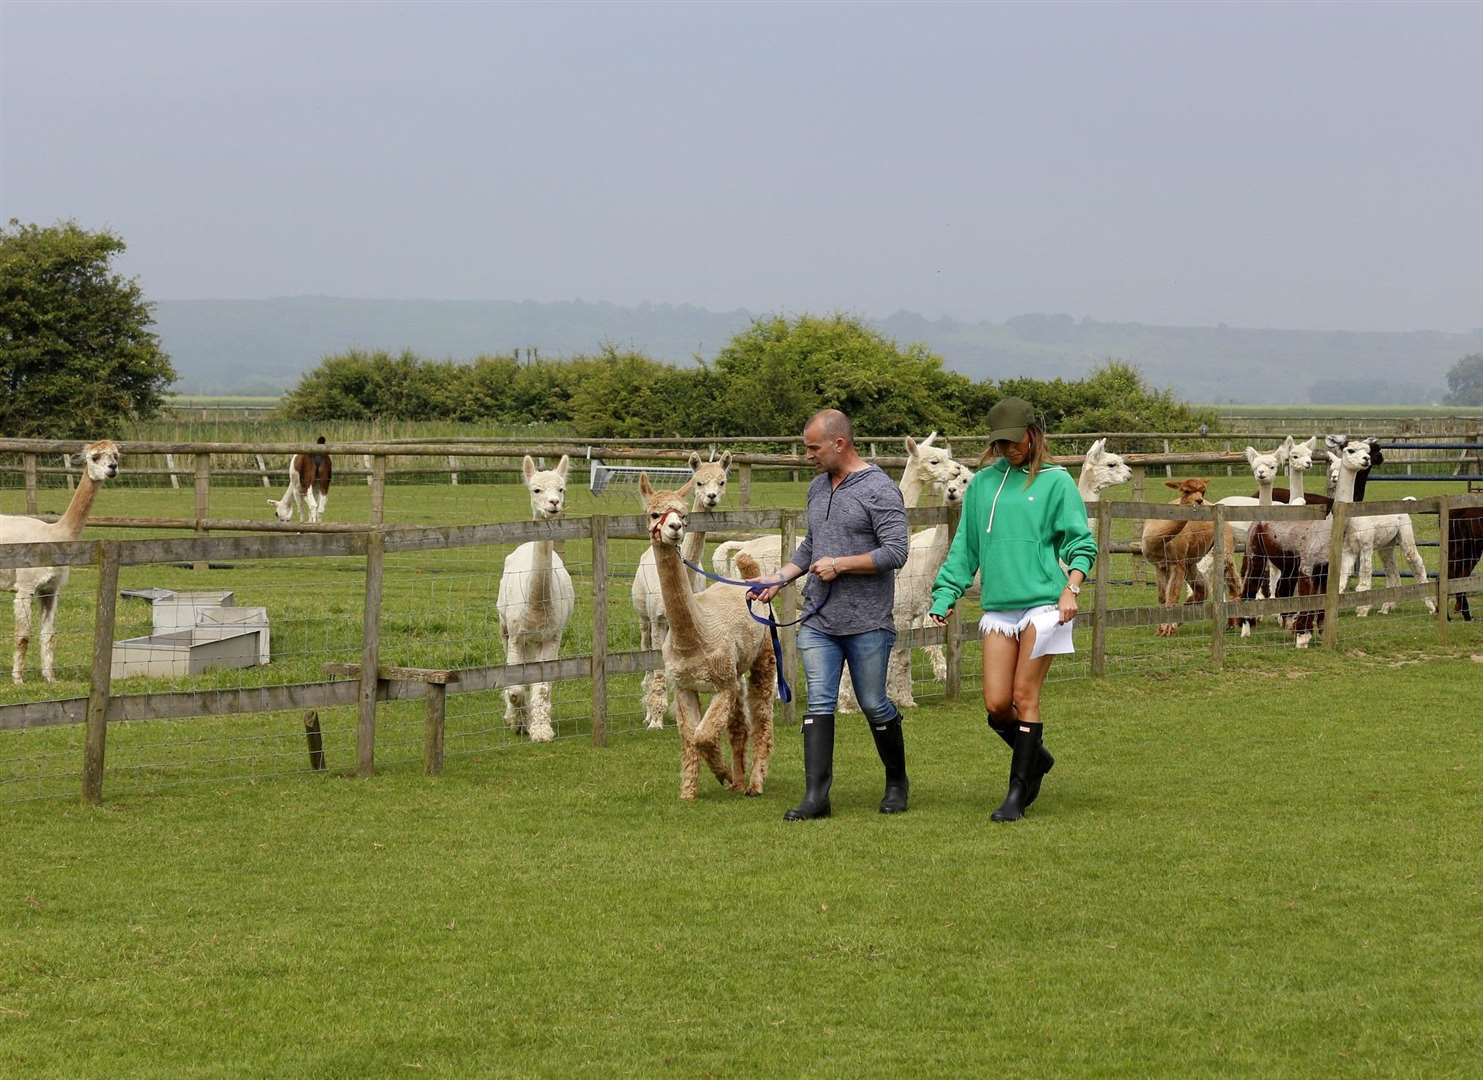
column 1009, row 418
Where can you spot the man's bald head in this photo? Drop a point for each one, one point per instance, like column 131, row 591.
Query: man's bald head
column 831, row 424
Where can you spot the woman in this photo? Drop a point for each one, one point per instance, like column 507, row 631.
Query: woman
column 1023, row 519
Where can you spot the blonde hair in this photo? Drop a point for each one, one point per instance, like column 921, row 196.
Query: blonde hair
column 1039, row 452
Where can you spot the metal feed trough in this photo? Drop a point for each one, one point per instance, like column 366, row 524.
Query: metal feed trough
column 193, row 632
column 603, row 475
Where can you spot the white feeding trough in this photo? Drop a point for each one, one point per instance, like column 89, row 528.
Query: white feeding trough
column 193, row 632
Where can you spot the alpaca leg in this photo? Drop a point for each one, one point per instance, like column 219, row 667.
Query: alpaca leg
column 1362, row 564
column 22, row 635
column 898, row 675
column 760, row 683
column 1418, row 567
column 687, row 720
column 736, row 730
column 1174, row 593
column 708, row 734
column 1392, row 576
column 541, row 727
column 656, row 683
column 517, row 698
column 324, row 501
column 49, row 603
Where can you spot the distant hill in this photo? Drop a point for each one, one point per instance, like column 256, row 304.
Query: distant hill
column 262, row 346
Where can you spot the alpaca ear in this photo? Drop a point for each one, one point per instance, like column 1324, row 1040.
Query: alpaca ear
column 1251, row 455
column 695, row 461
column 912, row 447
column 1177, row 485
column 1335, row 442
column 1097, row 451
column 686, row 487
column 563, row 465
column 725, row 460
column 1282, row 453
column 645, row 488
column 1312, row 444
column 528, row 467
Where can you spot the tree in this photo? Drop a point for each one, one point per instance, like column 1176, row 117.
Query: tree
column 77, row 355
column 1465, row 381
column 778, row 372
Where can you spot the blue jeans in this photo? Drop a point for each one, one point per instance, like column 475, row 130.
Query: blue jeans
column 824, row 656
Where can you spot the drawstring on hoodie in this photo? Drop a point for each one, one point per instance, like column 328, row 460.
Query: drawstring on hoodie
column 995, row 504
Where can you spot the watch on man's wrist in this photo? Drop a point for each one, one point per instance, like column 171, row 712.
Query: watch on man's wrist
column 1075, row 589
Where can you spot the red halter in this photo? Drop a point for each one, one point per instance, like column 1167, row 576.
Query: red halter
column 654, row 528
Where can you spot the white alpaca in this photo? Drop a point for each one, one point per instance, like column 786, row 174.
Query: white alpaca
column 1381, row 533
column 928, row 467
column 935, row 480
column 709, row 485
column 1299, row 461
column 100, row 463
column 1100, row 470
column 535, row 602
column 1264, row 469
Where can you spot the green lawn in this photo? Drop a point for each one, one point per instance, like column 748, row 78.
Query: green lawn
column 1225, row 876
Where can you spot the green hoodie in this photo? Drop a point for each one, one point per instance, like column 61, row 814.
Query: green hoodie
column 1018, row 537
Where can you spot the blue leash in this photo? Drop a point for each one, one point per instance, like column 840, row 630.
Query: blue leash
column 785, row 692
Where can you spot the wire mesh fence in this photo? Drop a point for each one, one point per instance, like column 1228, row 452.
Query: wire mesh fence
column 420, row 604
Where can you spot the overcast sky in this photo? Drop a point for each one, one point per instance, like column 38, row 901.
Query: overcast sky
column 1308, row 166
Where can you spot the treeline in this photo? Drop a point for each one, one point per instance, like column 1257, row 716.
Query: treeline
column 768, row 380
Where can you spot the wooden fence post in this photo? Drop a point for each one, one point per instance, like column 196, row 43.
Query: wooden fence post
column 378, row 489
column 1340, row 523
column 744, row 483
column 67, row 471
column 952, row 648
column 315, row 738
column 101, row 679
column 1229, row 467
column 600, row 630
column 790, row 611
column 794, row 473
column 170, row 465
column 262, row 467
column 203, row 498
column 30, row 466
column 432, row 731
column 1168, row 469
column 365, row 735
column 1216, row 592
column 1139, row 475
column 453, row 470
column 366, row 461
column 1099, row 589
column 1444, row 522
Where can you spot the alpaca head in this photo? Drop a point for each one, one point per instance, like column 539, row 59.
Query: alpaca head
column 547, row 487
column 932, row 464
column 1105, row 468
column 953, row 492
column 1264, row 466
column 99, row 460
column 1299, row 454
column 669, row 511
column 283, row 508
column 709, row 479
column 1191, row 490
column 1355, row 455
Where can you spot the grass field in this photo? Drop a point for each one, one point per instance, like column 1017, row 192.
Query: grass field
column 1225, row 876
column 1271, row 871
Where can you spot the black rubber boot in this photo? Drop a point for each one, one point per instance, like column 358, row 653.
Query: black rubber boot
column 891, row 746
column 1043, row 761
column 1021, row 769
column 818, row 768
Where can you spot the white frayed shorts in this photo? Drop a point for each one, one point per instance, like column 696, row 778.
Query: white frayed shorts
column 1052, row 637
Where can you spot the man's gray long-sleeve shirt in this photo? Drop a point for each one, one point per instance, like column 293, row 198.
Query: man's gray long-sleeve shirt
column 863, row 515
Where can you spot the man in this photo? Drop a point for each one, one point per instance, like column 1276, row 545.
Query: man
column 857, row 540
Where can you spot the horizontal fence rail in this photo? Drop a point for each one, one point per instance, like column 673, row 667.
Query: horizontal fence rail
column 376, row 678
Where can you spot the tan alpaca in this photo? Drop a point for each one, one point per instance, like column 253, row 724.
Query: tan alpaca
column 1176, row 547
column 100, row 462
column 713, row 646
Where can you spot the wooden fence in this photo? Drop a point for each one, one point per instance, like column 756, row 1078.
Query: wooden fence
column 372, row 680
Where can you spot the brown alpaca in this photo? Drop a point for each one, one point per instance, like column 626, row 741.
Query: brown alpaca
column 1176, row 547
column 713, row 646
